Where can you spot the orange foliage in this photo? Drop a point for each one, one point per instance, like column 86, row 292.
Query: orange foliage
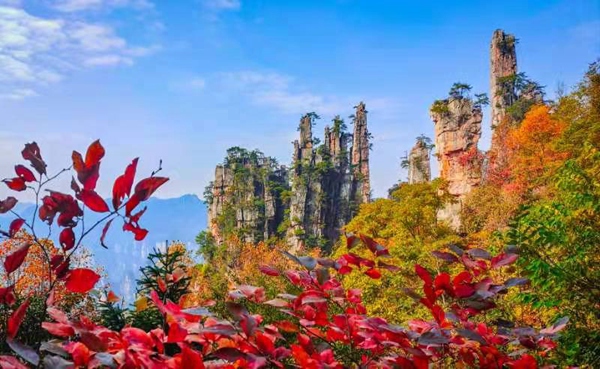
column 33, row 277
column 533, row 150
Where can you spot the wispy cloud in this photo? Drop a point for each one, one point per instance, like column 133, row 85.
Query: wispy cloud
column 37, row 51
column 71, row 6
column 285, row 94
column 220, row 5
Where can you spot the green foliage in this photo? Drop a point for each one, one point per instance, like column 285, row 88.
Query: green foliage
column 146, row 319
column 207, row 245
column 440, row 107
column 519, row 93
column 165, row 266
column 559, row 239
column 113, row 316
column 407, row 224
column 460, row 90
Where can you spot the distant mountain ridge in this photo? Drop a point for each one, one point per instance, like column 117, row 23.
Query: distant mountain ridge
column 174, row 219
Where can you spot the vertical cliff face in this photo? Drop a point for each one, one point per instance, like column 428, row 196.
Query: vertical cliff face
column 503, row 58
column 254, row 199
column 361, row 184
column 320, row 187
column 245, row 197
column 419, row 167
column 457, row 131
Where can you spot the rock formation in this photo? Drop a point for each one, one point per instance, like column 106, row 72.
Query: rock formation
column 361, row 183
column 503, row 57
column 512, row 95
column 419, row 168
column 320, row 202
column 253, row 198
column 457, row 130
column 245, row 197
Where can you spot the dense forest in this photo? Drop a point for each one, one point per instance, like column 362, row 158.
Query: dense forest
column 494, row 264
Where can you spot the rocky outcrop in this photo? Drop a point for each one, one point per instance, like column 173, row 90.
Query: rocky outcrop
column 245, row 197
column 419, row 167
column 503, row 58
column 320, row 196
column 253, row 198
column 361, row 183
column 457, row 131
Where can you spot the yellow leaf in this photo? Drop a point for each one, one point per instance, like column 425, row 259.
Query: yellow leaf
column 141, row 304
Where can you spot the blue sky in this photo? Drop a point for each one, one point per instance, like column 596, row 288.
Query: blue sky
column 184, row 80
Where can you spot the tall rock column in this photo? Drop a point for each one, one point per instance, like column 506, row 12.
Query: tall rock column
column 457, row 132
column 503, row 58
column 303, row 191
column 419, row 168
column 361, row 183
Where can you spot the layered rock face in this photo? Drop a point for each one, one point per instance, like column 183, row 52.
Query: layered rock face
column 457, row 132
column 308, row 203
column 419, row 167
column 245, row 197
column 503, row 59
column 320, row 203
column 361, row 189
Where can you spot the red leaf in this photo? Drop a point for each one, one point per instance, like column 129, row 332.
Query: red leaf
column 24, row 173
column 15, row 320
column 94, row 154
column 74, row 186
column 15, row 226
column 7, row 295
column 80, row 353
column 269, row 270
column 525, row 362
column 373, row 273
column 81, row 280
column 351, row 241
column 191, row 359
column 87, row 175
column 32, row 153
column 146, row 187
column 423, row 274
column 59, row 329
column 104, row 230
column 136, row 217
column 503, row 260
column 67, row 239
column 138, row 232
column 10, row 362
column 7, row 205
column 16, row 184
column 112, row 297
column 176, row 333
column 16, row 258
column 123, row 184
column 92, row 200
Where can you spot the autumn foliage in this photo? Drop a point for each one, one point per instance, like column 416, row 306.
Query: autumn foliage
column 315, row 323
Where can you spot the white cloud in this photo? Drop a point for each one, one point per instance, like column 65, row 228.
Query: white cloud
column 274, row 90
column 70, row 6
column 197, row 83
column 219, row 5
column 284, row 93
column 18, row 94
column 37, row 51
column 108, row 60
